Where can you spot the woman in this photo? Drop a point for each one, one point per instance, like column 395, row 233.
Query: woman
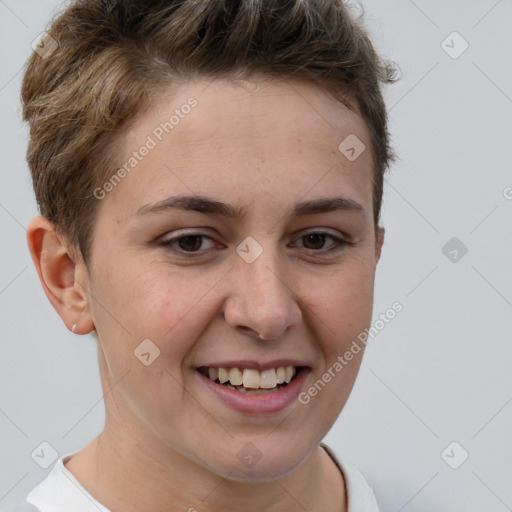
column 209, row 177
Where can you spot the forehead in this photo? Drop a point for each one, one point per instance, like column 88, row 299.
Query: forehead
column 211, row 136
column 245, row 110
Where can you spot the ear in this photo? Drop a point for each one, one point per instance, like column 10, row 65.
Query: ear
column 63, row 274
column 379, row 241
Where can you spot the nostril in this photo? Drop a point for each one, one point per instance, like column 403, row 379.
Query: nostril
column 251, row 332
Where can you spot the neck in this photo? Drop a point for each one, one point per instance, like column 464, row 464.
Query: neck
column 124, row 474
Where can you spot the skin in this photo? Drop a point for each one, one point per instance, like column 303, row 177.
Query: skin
column 263, row 146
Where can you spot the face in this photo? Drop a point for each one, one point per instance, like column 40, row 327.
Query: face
column 242, row 238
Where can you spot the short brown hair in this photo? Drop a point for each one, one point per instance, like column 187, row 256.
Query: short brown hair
column 113, row 56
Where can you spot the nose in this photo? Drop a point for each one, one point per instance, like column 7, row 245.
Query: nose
column 261, row 301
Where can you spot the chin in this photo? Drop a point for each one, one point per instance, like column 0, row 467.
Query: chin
column 259, row 462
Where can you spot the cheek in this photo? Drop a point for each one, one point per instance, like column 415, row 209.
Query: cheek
column 344, row 302
column 342, row 312
column 168, row 306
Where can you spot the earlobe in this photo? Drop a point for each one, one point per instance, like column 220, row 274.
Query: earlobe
column 62, row 274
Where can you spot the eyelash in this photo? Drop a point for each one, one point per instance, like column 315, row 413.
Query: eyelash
column 168, row 244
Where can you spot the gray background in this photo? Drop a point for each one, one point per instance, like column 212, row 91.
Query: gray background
column 439, row 372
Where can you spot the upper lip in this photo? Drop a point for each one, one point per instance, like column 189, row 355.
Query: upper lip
column 256, row 365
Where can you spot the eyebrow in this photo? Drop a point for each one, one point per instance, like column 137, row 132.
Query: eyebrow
column 207, row 205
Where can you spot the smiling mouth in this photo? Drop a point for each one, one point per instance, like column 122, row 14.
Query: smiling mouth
column 252, row 381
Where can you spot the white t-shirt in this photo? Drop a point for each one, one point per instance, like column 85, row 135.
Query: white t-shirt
column 60, row 491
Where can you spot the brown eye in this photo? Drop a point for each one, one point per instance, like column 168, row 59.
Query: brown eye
column 190, row 242
column 314, row 241
column 320, row 242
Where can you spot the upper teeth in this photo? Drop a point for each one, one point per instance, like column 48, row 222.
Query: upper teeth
column 251, row 378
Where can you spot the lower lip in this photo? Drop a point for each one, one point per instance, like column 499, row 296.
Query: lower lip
column 270, row 403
